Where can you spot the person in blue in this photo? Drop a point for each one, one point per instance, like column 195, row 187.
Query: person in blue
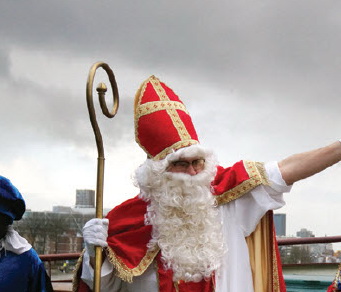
column 21, row 269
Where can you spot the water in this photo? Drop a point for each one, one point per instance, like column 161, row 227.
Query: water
column 300, row 283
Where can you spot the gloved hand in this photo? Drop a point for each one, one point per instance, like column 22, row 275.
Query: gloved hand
column 95, row 233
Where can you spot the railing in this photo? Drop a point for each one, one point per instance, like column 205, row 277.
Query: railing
column 57, row 257
column 58, row 284
column 308, row 240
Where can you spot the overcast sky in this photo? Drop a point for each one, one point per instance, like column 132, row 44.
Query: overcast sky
column 261, row 80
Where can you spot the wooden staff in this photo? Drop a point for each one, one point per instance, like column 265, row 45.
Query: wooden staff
column 101, row 89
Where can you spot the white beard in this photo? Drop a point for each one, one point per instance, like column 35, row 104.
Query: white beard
column 186, row 224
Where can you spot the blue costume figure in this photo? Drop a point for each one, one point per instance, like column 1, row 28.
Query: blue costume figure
column 21, row 270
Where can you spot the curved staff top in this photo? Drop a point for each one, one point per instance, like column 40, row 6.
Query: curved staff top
column 101, row 89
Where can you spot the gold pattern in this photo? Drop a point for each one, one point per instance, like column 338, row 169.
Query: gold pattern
column 257, row 176
column 337, row 279
column 275, row 278
column 122, row 271
column 125, row 273
column 154, row 106
column 175, row 146
column 138, row 97
column 75, row 281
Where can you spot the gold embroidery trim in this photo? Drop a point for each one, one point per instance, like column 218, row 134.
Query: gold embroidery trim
column 154, row 106
column 138, row 96
column 257, row 176
column 275, row 277
column 76, row 277
column 125, row 273
column 337, row 277
column 122, row 271
column 175, row 146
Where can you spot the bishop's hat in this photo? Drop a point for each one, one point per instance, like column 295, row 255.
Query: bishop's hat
column 162, row 122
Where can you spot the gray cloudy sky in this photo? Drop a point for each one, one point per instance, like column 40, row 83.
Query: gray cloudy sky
column 261, row 80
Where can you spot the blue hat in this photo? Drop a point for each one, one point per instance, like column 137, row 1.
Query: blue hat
column 12, row 203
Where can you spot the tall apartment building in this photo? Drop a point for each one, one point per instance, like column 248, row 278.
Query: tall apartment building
column 280, row 221
column 85, row 199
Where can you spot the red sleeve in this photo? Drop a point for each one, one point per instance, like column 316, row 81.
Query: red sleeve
column 228, row 178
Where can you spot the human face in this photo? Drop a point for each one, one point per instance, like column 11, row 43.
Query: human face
column 191, row 166
column 4, row 222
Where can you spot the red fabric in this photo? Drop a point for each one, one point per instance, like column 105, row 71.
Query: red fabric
column 228, row 178
column 149, row 94
column 128, row 237
column 331, row 288
column 166, row 281
column 127, row 234
column 156, row 132
column 82, row 287
column 165, row 277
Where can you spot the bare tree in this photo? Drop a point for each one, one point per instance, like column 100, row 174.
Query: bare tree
column 33, row 227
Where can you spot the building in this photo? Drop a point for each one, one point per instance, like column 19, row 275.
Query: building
column 85, row 199
column 305, row 233
column 280, row 221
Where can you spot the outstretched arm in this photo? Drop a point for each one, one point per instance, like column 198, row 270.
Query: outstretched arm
column 303, row 165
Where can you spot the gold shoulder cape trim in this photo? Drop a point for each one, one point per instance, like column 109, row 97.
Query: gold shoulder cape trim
column 125, row 273
column 77, row 272
column 121, row 270
column 257, row 176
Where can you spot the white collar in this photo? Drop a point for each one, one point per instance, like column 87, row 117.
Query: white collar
column 14, row 242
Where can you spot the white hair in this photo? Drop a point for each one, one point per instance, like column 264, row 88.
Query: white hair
column 181, row 209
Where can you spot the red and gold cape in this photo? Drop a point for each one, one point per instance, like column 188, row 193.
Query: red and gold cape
column 128, row 237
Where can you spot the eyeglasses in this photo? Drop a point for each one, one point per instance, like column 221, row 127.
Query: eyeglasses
column 181, row 165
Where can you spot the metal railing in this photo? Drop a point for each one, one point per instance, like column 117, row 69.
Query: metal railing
column 308, row 240
column 49, row 258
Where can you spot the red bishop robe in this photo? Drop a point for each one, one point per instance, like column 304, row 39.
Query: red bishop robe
column 128, row 237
